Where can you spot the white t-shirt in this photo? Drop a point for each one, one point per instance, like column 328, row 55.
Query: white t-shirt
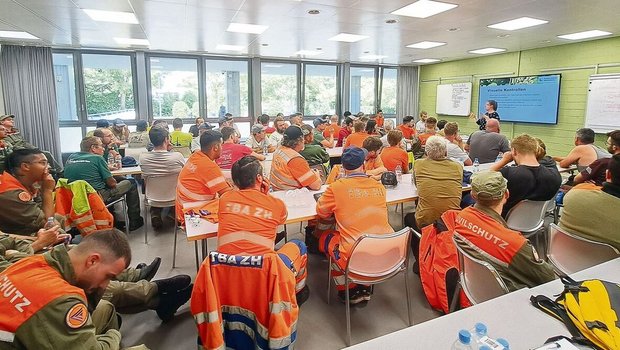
column 420, row 126
column 252, row 143
column 276, row 138
column 456, row 154
column 161, row 163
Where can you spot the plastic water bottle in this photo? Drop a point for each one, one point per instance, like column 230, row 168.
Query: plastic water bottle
column 399, row 173
column 111, row 160
column 265, row 148
column 49, row 223
column 479, row 331
column 118, row 161
column 500, row 155
column 481, row 341
column 476, row 165
column 463, row 342
column 504, row 343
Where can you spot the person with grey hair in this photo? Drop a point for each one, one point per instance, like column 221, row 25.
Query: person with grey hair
column 259, row 139
column 388, row 125
column 289, row 170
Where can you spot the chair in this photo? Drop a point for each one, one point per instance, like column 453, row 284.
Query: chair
column 372, row 260
column 124, row 204
column 135, row 152
column 528, row 217
column 570, row 253
column 160, row 194
column 479, row 279
column 184, row 150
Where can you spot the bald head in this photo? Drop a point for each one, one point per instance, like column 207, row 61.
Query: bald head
column 492, row 125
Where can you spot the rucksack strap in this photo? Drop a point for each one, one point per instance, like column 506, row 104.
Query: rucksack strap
column 556, row 310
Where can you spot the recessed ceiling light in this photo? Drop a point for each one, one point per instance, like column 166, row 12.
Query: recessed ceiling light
column 319, row 48
column 349, row 38
column 314, row 12
column 518, row 23
column 426, row 44
column 391, row 21
column 424, row 8
column 487, row 51
column 132, row 41
column 372, row 57
column 264, row 44
column 223, row 47
column 111, row 16
column 502, row 36
column 16, row 35
column 307, row 53
column 584, row 35
column 453, row 29
column 427, row 60
column 246, row 28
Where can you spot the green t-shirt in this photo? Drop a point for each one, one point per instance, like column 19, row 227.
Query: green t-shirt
column 89, row 167
column 318, row 137
column 315, row 154
column 180, row 138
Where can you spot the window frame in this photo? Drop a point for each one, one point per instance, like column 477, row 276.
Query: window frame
column 375, row 88
column 204, row 60
column 337, row 77
column 380, row 90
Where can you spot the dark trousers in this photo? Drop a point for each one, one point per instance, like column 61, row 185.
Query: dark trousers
column 128, row 189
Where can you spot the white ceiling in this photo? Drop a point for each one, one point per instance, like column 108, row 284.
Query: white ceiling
column 198, row 26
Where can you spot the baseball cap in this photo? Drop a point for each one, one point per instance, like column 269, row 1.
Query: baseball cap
column 257, row 128
column 306, row 129
column 225, row 118
column 142, row 124
column 7, row 116
column 293, row 132
column 119, row 122
column 103, row 123
column 488, row 185
column 319, row 121
column 205, row 125
column 353, row 157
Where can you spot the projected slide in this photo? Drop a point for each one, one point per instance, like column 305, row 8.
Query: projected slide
column 529, row 99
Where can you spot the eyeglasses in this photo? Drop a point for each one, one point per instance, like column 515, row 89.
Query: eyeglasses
column 42, row 162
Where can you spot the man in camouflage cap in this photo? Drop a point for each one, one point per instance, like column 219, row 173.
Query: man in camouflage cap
column 482, row 232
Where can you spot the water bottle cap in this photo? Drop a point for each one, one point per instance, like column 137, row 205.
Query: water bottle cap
column 484, row 347
column 475, row 159
column 504, row 343
column 464, row 336
column 481, row 328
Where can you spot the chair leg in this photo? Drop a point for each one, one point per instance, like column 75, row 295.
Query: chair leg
column 347, row 307
column 329, row 278
column 174, row 251
column 124, row 202
column 408, row 297
column 146, row 223
column 196, row 251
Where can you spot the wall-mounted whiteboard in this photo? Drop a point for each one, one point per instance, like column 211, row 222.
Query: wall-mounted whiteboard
column 454, row 99
column 603, row 108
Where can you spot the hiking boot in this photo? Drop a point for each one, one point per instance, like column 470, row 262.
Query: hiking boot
column 312, row 243
column 147, row 272
column 173, row 284
column 302, row 295
column 134, row 225
column 169, row 303
column 356, row 296
column 156, row 222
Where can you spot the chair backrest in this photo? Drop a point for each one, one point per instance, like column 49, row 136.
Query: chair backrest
column 135, row 152
column 479, row 279
column 527, row 216
column 570, row 253
column 161, row 188
column 184, row 150
column 380, row 256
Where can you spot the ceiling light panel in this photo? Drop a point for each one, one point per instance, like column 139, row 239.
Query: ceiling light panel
column 308, row 53
column 426, row 44
column 584, row 35
column 427, row 60
column 132, row 41
column 16, row 35
column 372, row 57
column 112, row 16
column 349, row 38
column 487, row 51
column 246, row 28
column 424, row 9
column 223, row 47
column 518, row 23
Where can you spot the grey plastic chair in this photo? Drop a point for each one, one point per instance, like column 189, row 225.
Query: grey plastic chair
column 528, row 217
column 160, row 192
column 569, row 253
column 124, row 208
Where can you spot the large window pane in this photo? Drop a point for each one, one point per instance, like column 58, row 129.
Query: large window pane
column 174, row 87
column 362, row 90
column 64, row 78
column 108, row 85
column 279, row 88
column 227, row 88
column 320, row 90
column 388, row 91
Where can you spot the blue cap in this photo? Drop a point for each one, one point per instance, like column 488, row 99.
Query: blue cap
column 484, row 347
column 464, row 336
column 353, row 157
column 319, row 121
column 480, row 328
column 103, row 123
column 504, row 342
column 119, row 122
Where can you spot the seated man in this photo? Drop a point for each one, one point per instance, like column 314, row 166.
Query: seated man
column 232, row 151
column 313, row 153
column 455, row 144
column 528, row 179
column 358, row 136
column 140, row 137
column 258, row 140
column 196, row 141
column 289, row 170
column 481, row 232
column 243, row 231
column 263, row 119
column 407, row 129
column 333, row 128
column 109, row 146
column 90, row 166
column 487, row 144
column 160, row 162
column 280, row 125
column 120, row 130
column 585, row 151
column 430, row 130
column 194, row 128
column 320, row 126
column 358, row 205
column 345, row 131
column 373, row 164
column 591, row 211
column 595, row 172
column 178, row 137
column 394, row 155
column 420, row 125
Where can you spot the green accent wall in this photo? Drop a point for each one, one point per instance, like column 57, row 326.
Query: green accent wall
column 573, row 89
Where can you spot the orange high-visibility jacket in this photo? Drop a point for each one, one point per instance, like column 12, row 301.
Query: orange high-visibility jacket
column 245, row 302
column 82, row 207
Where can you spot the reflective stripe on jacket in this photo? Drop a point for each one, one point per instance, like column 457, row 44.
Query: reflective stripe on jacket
column 82, row 207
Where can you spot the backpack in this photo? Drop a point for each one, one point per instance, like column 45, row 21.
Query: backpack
column 589, row 309
column 439, row 266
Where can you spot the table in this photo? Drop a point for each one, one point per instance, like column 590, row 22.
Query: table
column 334, row 152
column 510, row 316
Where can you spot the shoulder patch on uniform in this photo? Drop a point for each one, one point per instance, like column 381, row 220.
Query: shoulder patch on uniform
column 24, row 196
column 77, row 316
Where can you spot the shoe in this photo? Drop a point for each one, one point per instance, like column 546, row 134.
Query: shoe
column 134, row 225
column 140, row 266
column 169, row 303
column 356, row 296
column 312, row 243
column 119, row 225
column 156, row 222
column 147, row 272
column 302, row 295
column 173, row 284
column 280, row 236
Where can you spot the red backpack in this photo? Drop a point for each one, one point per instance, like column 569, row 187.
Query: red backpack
column 439, row 266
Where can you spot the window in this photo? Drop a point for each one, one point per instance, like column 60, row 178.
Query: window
column 64, row 78
column 108, row 86
column 388, row 91
column 362, row 90
column 70, row 138
column 227, row 88
column 320, row 89
column 174, row 88
column 279, row 88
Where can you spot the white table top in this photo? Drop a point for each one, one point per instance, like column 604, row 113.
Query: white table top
column 334, row 152
column 510, row 316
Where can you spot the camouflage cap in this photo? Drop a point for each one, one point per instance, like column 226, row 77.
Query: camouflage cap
column 488, row 185
column 7, row 116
